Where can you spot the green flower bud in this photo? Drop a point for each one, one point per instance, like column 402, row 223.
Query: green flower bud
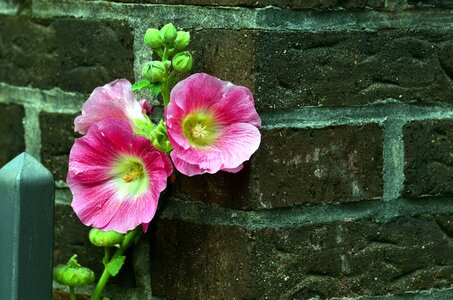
column 154, row 71
column 182, row 62
column 168, row 34
column 182, row 40
column 105, row 238
column 73, row 274
column 159, row 138
column 152, row 38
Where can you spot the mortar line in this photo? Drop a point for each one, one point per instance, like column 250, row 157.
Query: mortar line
column 58, row 101
column 393, row 156
column 32, row 131
column 302, row 215
column 9, row 8
column 53, row 100
column 188, row 16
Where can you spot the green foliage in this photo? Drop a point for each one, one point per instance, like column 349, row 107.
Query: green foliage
column 114, row 266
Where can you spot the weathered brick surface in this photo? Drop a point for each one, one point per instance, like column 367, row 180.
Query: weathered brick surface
column 201, row 261
column 339, row 259
column 11, row 132
column 57, row 138
column 225, row 189
column 352, row 68
column 296, row 166
column 72, row 54
column 227, row 54
column 428, row 158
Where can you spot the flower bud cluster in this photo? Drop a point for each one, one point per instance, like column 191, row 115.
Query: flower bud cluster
column 170, row 45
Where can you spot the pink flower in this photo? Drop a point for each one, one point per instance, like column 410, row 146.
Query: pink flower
column 212, row 125
column 114, row 100
column 116, row 177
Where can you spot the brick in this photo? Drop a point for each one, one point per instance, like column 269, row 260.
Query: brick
column 230, row 190
column 11, row 132
column 428, row 158
column 339, row 259
column 57, row 138
column 200, row 261
column 335, row 164
column 227, row 54
column 355, row 258
column 296, row 69
column 72, row 54
column 297, row 166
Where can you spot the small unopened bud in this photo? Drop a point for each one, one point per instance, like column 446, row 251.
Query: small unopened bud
column 105, row 238
column 168, row 34
column 182, row 40
column 182, row 62
column 154, row 71
column 153, row 39
column 159, row 137
column 73, row 274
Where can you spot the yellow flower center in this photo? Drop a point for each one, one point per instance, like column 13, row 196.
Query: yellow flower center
column 130, row 176
column 199, row 131
column 133, row 174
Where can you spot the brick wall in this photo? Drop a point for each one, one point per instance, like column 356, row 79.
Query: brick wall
column 350, row 193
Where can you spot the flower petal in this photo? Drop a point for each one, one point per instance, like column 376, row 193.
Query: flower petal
column 236, row 106
column 111, row 101
column 235, row 145
column 98, row 199
column 234, row 119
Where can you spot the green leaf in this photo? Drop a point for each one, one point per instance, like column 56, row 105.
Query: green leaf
column 155, row 88
column 114, row 266
column 140, row 85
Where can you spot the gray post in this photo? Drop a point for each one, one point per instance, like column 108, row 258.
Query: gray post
column 26, row 230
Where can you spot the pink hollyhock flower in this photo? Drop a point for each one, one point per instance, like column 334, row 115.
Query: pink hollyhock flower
column 212, row 125
column 114, row 100
column 116, row 177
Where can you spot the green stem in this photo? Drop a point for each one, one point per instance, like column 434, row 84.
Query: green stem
column 72, row 295
column 106, row 258
column 105, row 276
column 165, row 91
column 165, row 55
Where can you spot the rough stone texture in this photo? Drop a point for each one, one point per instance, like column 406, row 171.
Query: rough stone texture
column 335, row 164
column 72, row 54
column 225, row 189
column 57, row 138
column 428, row 158
column 294, row 4
column 352, row 68
column 11, row 132
column 296, row 166
column 227, row 54
column 190, row 261
column 351, row 259
column 337, row 259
